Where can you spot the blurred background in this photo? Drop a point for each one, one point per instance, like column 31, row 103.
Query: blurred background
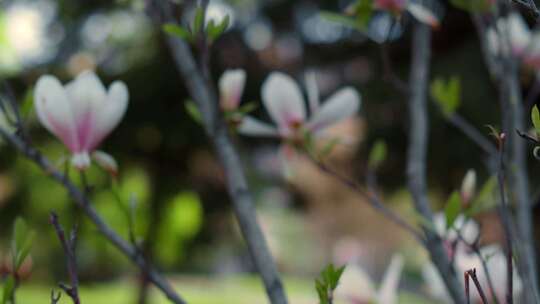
column 183, row 214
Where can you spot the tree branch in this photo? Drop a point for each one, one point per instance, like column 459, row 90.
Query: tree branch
column 417, row 154
column 83, row 202
column 206, row 99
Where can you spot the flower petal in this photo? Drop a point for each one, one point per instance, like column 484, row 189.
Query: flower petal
column 283, row 100
column 312, row 92
column 389, row 286
column 355, row 286
column 254, row 127
column 423, row 14
column 106, row 161
column 231, row 86
column 54, row 110
column 518, row 33
column 111, row 113
column 341, row 105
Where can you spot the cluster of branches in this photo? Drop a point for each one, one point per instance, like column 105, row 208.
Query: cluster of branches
column 194, row 70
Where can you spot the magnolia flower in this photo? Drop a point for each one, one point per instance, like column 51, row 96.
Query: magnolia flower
column 284, row 102
column 419, row 12
column 81, row 113
column 468, row 186
column 511, row 35
column 464, row 260
column 355, row 285
column 231, row 87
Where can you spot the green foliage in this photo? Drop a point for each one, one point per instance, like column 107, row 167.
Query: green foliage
column 327, row 282
column 193, row 111
column 181, row 222
column 378, row 153
column 21, row 243
column 197, row 29
column 452, row 209
column 486, row 198
column 535, row 118
column 473, row 6
column 357, row 15
column 9, row 289
column 447, row 94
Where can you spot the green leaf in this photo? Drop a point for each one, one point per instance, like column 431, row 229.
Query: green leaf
column 214, row 31
column 28, row 103
column 327, row 282
column 447, row 94
column 363, row 10
column 452, row 209
column 248, row 108
column 377, row 155
column 21, row 242
column 198, row 21
column 9, row 289
column 473, row 6
column 329, row 146
column 193, row 111
column 486, row 198
column 535, row 117
column 342, row 19
column 177, row 31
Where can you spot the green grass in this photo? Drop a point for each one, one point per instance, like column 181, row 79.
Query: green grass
column 194, row 289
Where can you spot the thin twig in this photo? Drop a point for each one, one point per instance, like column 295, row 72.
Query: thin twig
column 68, row 244
column 206, row 99
column 83, row 202
column 472, row 275
column 372, row 198
column 417, row 155
column 467, row 292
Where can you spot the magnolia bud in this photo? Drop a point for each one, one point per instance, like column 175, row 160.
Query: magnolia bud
column 468, row 186
column 106, row 161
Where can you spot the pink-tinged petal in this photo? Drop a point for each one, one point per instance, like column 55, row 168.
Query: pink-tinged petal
column 341, row 105
column 54, row 111
column 254, row 127
column 87, row 96
column 423, row 14
column 109, row 115
column 388, row 291
column 283, row 101
column 231, row 86
column 106, row 161
column 312, row 92
column 518, row 33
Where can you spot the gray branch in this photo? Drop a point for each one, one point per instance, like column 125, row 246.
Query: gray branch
column 417, row 154
column 82, row 201
column 206, row 99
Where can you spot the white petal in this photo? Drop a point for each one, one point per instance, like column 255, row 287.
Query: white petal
column 106, row 161
column 341, row 105
column 519, row 33
column 283, row 100
column 254, row 127
column 355, row 285
column 111, row 113
column 54, row 110
column 231, row 86
column 389, row 286
column 468, row 186
column 86, row 93
column 81, row 161
column 423, row 14
column 312, row 92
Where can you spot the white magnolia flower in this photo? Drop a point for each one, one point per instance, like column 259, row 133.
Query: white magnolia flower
column 355, row 285
column 464, row 260
column 285, row 104
column 81, row 113
column 231, row 87
column 419, row 12
column 512, row 36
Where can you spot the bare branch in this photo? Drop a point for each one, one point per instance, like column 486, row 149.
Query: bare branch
column 472, row 275
column 417, row 154
column 206, row 99
column 83, row 202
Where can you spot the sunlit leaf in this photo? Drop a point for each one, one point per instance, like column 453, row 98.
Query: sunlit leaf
column 9, row 288
column 198, row 21
column 177, row 31
column 193, row 111
column 377, row 154
column 452, row 209
column 447, row 94
column 535, row 117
